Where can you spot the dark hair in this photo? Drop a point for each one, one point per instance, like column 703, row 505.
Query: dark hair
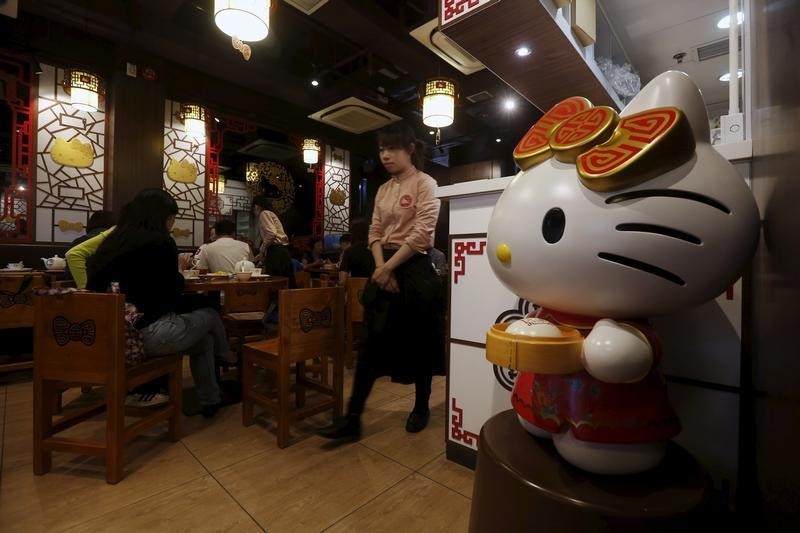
column 100, row 219
column 359, row 229
column 143, row 221
column 263, row 202
column 225, row 227
column 400, row 135
column 345, row 237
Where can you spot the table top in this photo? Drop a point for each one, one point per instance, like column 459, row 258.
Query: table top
column 320, row 270
column 211, row 284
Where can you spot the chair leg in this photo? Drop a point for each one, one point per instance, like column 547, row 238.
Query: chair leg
column 325, row 371
column 43, row 402
column 284, row 389
column 115, row 427
column 299, row 388
column 348, row 349
column 248, row 375
column 338, row 385
column 176, row 398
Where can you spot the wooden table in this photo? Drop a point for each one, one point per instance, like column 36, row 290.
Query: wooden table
column 219, row 285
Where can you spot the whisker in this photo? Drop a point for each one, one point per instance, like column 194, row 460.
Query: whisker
column 668, row 193
column 644, row 267
column 660, row 230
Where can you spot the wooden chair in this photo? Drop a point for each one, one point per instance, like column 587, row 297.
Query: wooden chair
column 311, row 325
column 354, row 288
column 243, row 311
column 79, row 339
column 302, row 279
column 16, row 309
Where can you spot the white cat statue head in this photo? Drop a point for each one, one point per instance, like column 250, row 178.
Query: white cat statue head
column 625, row 216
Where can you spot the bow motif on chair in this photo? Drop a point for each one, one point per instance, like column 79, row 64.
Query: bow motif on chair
column 310, row 319
column 10, row 299
column 65, row 331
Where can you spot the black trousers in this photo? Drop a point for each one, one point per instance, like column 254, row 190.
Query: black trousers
column 365, row 378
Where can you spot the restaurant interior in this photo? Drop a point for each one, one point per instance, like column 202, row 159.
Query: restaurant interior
column 225, row 105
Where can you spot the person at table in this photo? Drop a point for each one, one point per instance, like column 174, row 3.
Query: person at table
column 273, row 253
column 316, row 257
column 357, row 260
column 223, row 254
column 403, row 303
column 345, row 242
column 142, row 257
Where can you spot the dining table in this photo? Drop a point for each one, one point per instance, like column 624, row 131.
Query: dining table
column 219, row 284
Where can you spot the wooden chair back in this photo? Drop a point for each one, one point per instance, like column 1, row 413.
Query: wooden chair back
column 79, row 337
column 355, row 289
column 311, row 322
column 246, row 296
column 16, row 298
column 302, row 279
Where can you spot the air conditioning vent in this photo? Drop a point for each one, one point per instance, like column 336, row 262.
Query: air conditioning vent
column 480, row 97
column 269, row 150
column 307, row 6
column 715, row 49
column 354, row 115
column 447, row 49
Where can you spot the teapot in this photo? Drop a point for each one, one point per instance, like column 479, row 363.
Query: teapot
column 244, row 266
column 55, row 263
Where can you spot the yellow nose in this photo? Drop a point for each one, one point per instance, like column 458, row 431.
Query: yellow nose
column 504, row 253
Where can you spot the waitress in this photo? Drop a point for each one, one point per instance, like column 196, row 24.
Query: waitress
column 403, row 303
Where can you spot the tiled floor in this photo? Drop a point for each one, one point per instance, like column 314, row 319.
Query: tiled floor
column 225, row 477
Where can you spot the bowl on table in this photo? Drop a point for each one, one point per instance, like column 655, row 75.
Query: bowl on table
column 190, row 274
column 243, row 276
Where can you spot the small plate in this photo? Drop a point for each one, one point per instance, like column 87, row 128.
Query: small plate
column 192, row 278
column 259, row 276
column 16, row 269
column 215, row 275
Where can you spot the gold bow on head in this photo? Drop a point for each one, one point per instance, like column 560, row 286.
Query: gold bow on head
column 610, row 152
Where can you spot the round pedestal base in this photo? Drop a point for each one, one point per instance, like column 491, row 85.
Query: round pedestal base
column 522, row 484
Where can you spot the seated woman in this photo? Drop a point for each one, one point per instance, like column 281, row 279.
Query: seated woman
column 142, row 257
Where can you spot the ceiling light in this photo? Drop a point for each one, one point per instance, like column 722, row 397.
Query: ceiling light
column 498, row 140
column 247, row 20
column 315, row 83
column 310, row 151
column 523, row 51
column 509, row 104
column 84, row 88
column 438, row 102
column 216, row 119
column 194, row 120
column 220, row 184
column 725, row 22
column 727, row 75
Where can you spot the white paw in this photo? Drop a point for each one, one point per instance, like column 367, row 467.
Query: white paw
column 616, row 353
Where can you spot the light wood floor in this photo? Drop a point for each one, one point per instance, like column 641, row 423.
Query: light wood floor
column 225, row 477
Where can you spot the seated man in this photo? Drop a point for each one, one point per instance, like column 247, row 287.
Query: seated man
column 225, row 252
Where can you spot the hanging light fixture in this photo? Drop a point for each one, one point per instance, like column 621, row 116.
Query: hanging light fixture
column 247, row 20
column 84, row 88
column 194, row 120
column 311, row 151
column 438, row 104
column 220, row 184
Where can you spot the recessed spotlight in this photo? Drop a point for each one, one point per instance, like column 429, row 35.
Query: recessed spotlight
column 314, row 83
column 522, row 51
column 431, row 132
column 727, row 75
column 725, row 22
column 509, row 104
column 498, row 140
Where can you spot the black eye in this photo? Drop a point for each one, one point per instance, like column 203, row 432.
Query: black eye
column 553, row 225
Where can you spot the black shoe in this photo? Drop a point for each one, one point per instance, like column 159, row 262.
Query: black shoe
column 209, row 411
column 417, row 421
column 347, row 427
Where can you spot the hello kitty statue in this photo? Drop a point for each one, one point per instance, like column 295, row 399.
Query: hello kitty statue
column 612, row 220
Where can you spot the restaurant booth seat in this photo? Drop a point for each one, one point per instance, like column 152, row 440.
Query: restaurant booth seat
column 16, row 309
column 354, row 289
column 311, row 325
column 79, row 339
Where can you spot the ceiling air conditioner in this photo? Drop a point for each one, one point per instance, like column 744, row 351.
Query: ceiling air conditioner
column 307, row 6
column 447, row 49
column 354, row 115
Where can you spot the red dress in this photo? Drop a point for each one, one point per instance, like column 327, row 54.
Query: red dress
column 619, row 413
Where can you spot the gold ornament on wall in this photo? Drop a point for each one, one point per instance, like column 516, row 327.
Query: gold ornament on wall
column 337, row 196
column 66, row 225
column 182, row 171
column 273, row 179
column 72, row 153
column 181, row 232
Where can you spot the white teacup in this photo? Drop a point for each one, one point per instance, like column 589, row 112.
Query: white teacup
column 190, row 273
column 256, row 271
column 15, row 266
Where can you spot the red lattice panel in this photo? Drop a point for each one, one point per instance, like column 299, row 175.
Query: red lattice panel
column 461, row 250
column 318, row 225
column 457, row 432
